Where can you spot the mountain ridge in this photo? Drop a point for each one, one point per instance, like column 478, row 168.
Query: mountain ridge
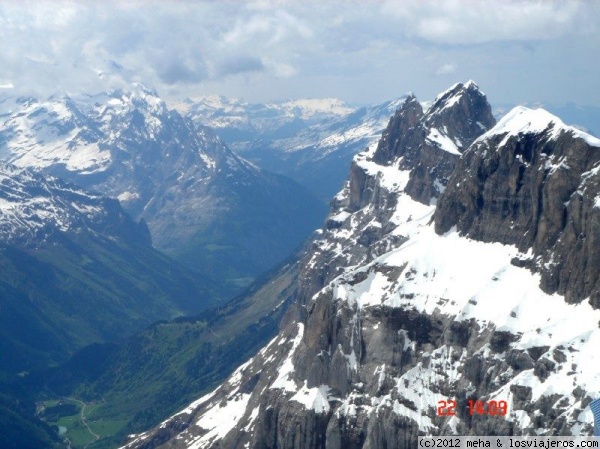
column 394, row 316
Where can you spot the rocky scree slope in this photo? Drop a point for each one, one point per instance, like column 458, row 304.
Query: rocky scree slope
column 202, row 202
column 395, row 316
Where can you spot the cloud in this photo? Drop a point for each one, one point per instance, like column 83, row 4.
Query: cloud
column 241, row 64
column 462, row 22
column 270, row 49
column 164, row 43
column 282, row 70
column 446, row 69
column 172, row 69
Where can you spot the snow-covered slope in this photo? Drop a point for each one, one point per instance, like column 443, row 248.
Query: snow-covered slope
column 83, row 134
column 203, row 203
column 523, row 120
column 411, row 299
column 34, row 207
column 42, row 133
column 583, row 117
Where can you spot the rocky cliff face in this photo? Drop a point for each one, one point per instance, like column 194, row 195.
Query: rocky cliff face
column 413, row 139
column 418, row 291
column 533, row 182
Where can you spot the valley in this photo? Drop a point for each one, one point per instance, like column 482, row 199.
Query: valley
column 398, row 189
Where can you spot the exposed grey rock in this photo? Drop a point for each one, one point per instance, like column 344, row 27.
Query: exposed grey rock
column 459, row 116
column 535, row 190
column 348, row 375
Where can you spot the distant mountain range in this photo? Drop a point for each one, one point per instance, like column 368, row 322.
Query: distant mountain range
column 205, row 206
column 236, row 120
column 310, row 141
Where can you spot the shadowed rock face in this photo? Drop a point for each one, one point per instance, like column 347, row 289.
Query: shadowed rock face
column 536, row 191
column 456, row 118
column 399, row 311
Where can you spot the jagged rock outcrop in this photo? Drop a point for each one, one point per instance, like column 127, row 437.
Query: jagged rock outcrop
column 413, row 139
column 395, row 317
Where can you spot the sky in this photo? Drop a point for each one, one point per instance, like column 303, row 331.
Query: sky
column 266, row 50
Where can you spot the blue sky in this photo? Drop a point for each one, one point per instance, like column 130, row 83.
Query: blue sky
column 359, row 51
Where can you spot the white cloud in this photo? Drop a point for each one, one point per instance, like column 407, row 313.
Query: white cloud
column 281, row 70
column 473, row 22
column 446, row 69
column 266, row 49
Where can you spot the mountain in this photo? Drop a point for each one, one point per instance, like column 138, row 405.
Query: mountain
column 586, row 118
column 236, row 120
column 75, row 269
column 204, row 205
column 153, row 373
column 457, row 264
column 318, row 156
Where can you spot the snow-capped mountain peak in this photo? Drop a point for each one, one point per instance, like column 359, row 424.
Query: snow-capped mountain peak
column 42, row 133
column 523, row 120
column 83, row 136
column 451, row 96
